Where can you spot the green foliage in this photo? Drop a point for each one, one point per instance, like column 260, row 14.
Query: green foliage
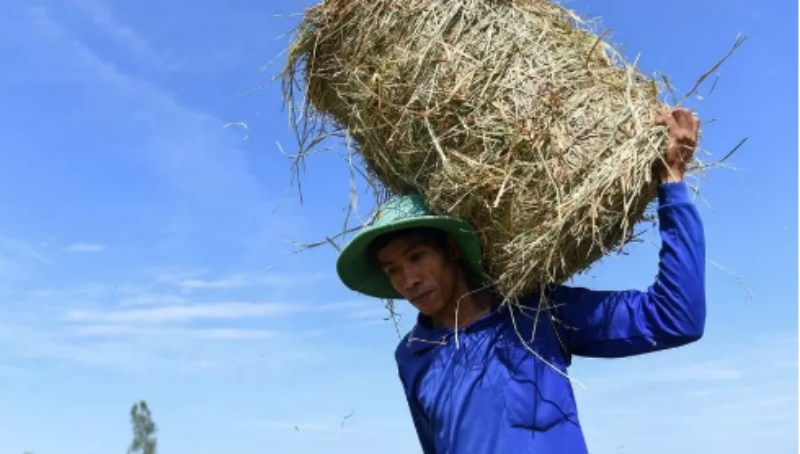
column 144, row 430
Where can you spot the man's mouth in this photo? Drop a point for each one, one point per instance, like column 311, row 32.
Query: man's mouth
column 419, row 298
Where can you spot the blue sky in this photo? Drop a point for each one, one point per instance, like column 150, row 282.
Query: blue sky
column 146, row 243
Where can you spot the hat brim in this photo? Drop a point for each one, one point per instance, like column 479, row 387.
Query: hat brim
column 360, row 274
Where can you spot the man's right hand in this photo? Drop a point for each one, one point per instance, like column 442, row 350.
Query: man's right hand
column 684, row 128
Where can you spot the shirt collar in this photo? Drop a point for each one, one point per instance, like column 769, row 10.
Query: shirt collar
column 424, row 336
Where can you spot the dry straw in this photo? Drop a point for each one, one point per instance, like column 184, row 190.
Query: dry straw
column 510, row 114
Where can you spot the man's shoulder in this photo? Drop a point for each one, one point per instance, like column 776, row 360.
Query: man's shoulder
column 553, row 291
column 553, row 298
column 403, row 350
column 526, row 300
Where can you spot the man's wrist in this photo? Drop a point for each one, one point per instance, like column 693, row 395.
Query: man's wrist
column 671, row 179
column 672, row 192
column 671, row 176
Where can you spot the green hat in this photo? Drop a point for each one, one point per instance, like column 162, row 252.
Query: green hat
column 360, row 274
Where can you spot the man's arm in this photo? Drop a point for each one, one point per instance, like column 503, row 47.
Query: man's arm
column 421, row 425
column 670, row 313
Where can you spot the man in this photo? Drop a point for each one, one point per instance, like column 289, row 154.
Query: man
column 475, row 381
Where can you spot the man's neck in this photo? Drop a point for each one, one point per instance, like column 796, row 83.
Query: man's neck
column 465, row 310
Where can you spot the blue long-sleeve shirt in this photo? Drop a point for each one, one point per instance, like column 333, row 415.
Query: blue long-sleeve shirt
column 491, row 395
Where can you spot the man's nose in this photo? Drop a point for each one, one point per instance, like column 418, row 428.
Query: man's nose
column 412, row 278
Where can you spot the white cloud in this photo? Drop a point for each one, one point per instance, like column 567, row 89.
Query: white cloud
column 103, row 16
column 191, row 281
column 701, row 392
column 85, row 247
column 184, row 313
column 190, row 149
column 204, row 165
column 220, row 334
column 144, row 327
column 16, row 250
column 152, row 299
column 214, row 311
column 745, row 389
column 706, row 371
column 128, row 347
column 225, row 283
column 18, row 259
column 624, row 376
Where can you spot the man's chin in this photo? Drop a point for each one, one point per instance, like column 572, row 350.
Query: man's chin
column 428, row 305
column 428, row 310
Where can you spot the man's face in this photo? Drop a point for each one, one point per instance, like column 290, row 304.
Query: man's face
column 423, row 273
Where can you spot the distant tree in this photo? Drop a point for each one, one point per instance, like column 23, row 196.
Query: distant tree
column 144, row 429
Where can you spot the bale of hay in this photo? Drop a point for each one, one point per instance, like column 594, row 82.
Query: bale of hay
column 510, row 114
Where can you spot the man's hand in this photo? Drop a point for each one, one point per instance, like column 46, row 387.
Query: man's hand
column 684, row 128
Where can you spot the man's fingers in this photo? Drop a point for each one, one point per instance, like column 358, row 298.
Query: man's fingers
column 695, row 123
column 683, row 117
column 679, row 119
column 666, row 119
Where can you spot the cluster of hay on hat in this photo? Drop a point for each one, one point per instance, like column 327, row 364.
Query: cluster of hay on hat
column 510, row 114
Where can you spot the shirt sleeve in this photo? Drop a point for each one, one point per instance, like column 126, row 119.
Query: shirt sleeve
column 421, row 425
column 670, row 313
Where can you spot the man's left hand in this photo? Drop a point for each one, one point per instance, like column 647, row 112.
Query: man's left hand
column 683, row 128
